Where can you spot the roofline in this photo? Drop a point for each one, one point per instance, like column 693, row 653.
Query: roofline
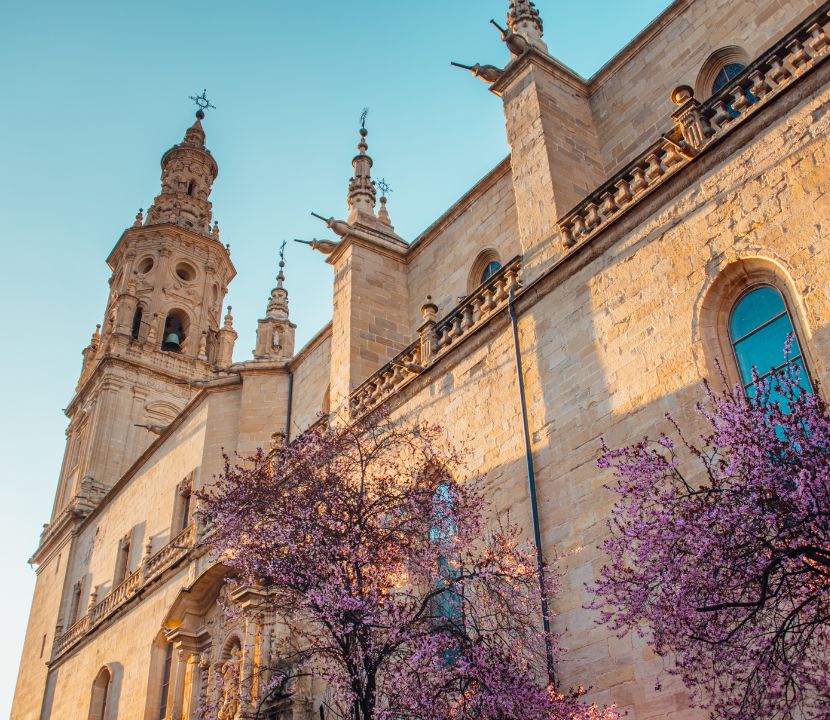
column 459, row 206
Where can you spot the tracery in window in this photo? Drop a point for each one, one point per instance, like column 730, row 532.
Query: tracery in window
column 727, row 72
column 759, row 327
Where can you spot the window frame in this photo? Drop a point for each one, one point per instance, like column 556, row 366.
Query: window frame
column 739, row 298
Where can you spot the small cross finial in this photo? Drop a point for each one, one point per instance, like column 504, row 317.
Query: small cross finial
column 384, row 187
column 202, row 103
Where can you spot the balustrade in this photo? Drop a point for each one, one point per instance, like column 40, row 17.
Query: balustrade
column 436, row 338
column 151, row 567
column 698, row 125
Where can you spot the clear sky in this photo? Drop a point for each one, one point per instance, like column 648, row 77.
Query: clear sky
column 92, row 93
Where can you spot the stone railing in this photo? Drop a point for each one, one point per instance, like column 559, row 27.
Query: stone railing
column 436, row 338
column 698, row 125
column 150, row 568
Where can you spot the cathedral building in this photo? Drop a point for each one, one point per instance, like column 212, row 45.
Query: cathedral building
column 636, row 212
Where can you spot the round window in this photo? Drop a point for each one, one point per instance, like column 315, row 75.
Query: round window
column 185, row 271
column 146, row 265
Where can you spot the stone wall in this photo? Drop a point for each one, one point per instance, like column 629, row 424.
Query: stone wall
column 443, row 257
column 311, row 382
column 630, row 95
column 613, row 343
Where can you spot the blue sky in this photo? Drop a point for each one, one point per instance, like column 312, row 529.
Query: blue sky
column 94, row 92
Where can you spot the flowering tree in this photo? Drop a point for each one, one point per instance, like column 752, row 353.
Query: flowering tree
column 728, row 566
column 390, row 589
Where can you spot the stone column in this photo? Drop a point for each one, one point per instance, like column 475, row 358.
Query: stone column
column 178, row 681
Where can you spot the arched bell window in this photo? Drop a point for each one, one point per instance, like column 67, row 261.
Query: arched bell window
column 759, row 326
column 98, row 706
column 137, row 317
column 175, row 331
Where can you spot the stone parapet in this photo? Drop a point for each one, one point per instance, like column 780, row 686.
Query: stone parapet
column 150, row 568
column 436, row 339
column 699, row 126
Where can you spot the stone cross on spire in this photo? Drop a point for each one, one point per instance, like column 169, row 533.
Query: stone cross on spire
column 523, row 19
column 362, row 193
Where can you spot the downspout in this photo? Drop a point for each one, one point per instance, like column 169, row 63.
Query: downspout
column 531, row 482
column 290, row 403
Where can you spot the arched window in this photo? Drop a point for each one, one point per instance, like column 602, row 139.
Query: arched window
column 484, row 267
column 759, row 327
column 726, row 73
column 100, row 694
column 175, row 331
column 139, row 313
column 492, row 268
column 719, row 69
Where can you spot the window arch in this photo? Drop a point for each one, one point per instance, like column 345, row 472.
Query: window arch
column 485, row 266
column 175, row 331
column 137, row 318
column 720, row 67
column 98, row 705
column 712, row 334
column 759, row 326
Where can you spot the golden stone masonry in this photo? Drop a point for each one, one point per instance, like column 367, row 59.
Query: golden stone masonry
column 635, row 210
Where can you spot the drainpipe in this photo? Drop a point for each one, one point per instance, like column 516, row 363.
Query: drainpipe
column 290, row 402
column 531, row 482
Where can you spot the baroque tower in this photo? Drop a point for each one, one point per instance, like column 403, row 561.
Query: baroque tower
column 160, row 334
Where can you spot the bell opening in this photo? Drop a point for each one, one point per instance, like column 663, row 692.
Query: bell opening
column 174, row 332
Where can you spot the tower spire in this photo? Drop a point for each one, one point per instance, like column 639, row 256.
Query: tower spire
column 275, row 332
column 523, row 19
column 188, row 171
column 362, row 194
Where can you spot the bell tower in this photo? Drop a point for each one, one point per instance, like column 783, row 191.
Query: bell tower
column 161, row 329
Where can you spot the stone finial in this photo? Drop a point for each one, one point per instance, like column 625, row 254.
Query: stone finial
column 383, row 213
column 523, row 19
column 96, row 337
column 139, row 218
column 278, row 304
column 691, row 125
column 362, row 194
column 429, row 310
column 228, row 319
column 215, row 231
column 195, row 135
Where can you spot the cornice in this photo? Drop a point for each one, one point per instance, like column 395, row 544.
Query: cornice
column 207, row 242
column 322, row 335
column 535, row 57
column 458, row 209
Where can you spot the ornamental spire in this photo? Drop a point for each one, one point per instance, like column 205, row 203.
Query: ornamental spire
column 362, row 194
column 523, row 19
column 278, row 304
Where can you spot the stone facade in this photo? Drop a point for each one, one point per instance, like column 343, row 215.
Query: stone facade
column 626, row 225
